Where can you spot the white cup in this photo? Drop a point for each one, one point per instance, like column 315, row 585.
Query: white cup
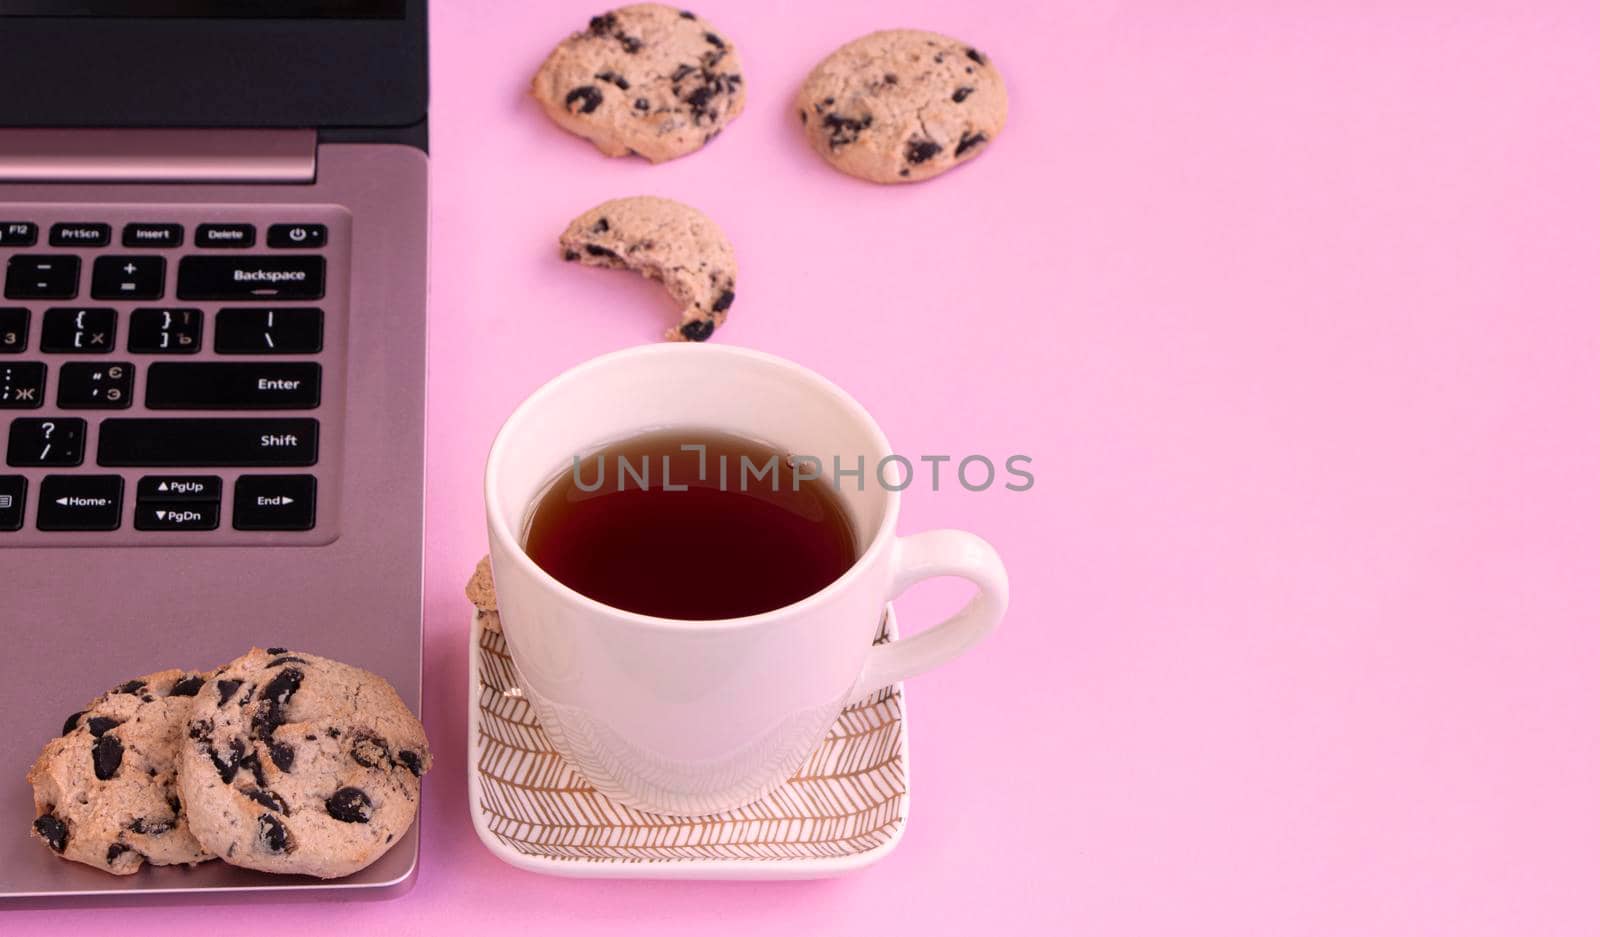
column 698, row 717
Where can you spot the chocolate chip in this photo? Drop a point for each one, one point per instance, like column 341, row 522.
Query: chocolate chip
column 975, row 55
column 412, row 761
column 267, row 799
column 52, row 830
column 226, row 689
column 350, row 805
column 641, row 104
column 614, row 78
column 199, row 728
column 630, row 45
column 228, row 765
column 682, row 72
column 686, row 14
column 715, row 40
column 961, row 94
column 286, row 659
column 700, row 97
column 100, row 725
column 595, row 250
column 845, row 130
column 175, row 804
column 601, row 226
column 132, row 686
column 891, row 79
column 283, row 685
column 273, row 836
column 115, row 850
column 107, row 757
column 920, row 151
column 600, row 25
column 332, row 732
column 253, row 762
column 588, row 98
column 72, row 722
column 369, row 751
column 803, row 117
column 697, row 330
column 723, row 301
column 282, row 754
column 188, row 685
column 147, row 827
column 969, row 141
column 569, row 255
column 277, row 650
column 147, row 698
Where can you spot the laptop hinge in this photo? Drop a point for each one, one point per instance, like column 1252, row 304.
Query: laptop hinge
column 151, row 155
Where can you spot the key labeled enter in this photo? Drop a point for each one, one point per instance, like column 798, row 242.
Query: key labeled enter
column 215, row 385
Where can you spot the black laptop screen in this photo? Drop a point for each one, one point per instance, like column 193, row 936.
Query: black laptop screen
column 206, row 9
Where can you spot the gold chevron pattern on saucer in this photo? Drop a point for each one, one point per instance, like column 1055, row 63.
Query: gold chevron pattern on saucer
column 844, row 807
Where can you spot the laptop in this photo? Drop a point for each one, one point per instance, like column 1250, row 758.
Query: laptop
column 213, row 229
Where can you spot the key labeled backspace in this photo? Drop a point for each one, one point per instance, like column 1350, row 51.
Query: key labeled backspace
column 181, row 443
column 250, row 277
column 253, row 385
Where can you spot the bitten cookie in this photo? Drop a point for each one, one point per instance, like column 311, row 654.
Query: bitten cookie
column 902, row 105
column 666, row 241
column 644, row 79
column 296, row 763
column 105, row 793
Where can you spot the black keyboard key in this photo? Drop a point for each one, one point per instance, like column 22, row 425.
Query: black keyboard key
column 79, row 234
column 213, row 385
column 225, row 235
column 164, row 331
column 94, row 385
column 152, row 235
column 18, row 233
column 162, row 515
column 269, row 331
column 275, row 502
column 128, row 278
column 42, row 276
column 22, row 385
column 297, row 235
column 55, row 441
column 180, row 488
column 79, row 331
column 276, row 277
column 13, row 501
column 13, row 330
column 80, row 502
column 206, row 442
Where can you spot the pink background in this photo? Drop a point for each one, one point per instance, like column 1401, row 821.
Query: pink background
column 1295, row 312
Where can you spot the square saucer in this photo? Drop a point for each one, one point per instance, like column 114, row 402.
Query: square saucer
column 844, row 809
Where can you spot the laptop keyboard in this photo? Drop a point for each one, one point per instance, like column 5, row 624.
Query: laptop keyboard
column 171, row 380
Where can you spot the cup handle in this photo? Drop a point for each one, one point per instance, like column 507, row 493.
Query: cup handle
column 924, row 556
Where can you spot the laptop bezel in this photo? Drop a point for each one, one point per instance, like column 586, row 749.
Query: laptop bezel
column 80, row 71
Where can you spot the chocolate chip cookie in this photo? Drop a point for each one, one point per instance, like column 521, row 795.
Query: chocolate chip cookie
column 902, row 105
column 644, row 79
column 666, row 241
column 296, row 763
column 105, row 792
